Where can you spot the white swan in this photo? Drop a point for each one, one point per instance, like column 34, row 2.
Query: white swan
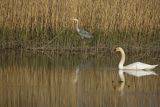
column 136, row 65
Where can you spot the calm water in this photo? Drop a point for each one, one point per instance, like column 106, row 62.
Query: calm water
column 74, row 80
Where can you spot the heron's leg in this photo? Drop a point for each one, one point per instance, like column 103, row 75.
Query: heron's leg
column 84, row 44
column 82, row 37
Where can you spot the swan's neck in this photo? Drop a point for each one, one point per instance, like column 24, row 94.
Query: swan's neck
column 121, row 75
column 77, row 28
column 121, row 63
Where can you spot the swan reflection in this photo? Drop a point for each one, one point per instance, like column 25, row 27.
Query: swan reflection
column 136, row 73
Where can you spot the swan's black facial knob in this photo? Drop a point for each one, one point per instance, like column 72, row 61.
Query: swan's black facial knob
column 115, row 50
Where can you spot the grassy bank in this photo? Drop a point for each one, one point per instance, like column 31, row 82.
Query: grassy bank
column 46, row 23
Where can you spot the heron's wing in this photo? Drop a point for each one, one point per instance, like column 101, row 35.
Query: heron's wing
column 85, row 33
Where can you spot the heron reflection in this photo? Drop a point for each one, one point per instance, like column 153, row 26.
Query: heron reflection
column 82, row 66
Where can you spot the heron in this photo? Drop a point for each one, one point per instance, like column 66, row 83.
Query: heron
column 81, row 32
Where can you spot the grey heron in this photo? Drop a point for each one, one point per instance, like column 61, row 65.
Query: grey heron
column 81, row 32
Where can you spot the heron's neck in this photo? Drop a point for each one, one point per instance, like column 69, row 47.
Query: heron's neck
column 77, row 28
column 121, row 63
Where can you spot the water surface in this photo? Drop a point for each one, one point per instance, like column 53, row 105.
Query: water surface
column 74, row 80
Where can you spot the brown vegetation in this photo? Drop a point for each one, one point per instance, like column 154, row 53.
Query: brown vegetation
column 39, row 21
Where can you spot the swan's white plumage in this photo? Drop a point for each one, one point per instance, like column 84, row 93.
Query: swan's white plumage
column 135, row 65
column 139, row 65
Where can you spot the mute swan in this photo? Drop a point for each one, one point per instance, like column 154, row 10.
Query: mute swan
column 135, row 65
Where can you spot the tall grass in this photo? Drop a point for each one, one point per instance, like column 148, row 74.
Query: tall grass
column 34, row 22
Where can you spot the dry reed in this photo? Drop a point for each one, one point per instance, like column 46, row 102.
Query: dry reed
column 34, row 22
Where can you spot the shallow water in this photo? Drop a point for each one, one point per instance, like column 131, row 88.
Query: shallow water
column 74, row 80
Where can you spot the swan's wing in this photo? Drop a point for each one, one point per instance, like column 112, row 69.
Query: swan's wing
column 139, row 73
column 139, row 65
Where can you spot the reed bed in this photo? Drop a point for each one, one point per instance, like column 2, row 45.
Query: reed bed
column 46, row 23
